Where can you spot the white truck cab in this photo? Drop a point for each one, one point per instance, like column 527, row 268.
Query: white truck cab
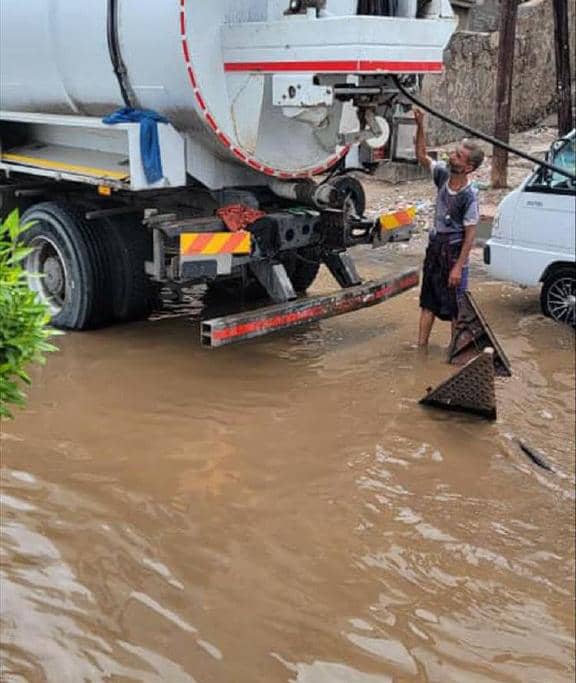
column 533, row 234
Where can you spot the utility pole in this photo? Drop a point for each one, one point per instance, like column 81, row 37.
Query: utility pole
column 507, row 40
column 563, row 81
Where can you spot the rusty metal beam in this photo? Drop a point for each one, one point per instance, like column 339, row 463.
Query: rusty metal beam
column 234, row 328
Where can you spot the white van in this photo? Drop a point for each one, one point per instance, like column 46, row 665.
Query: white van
column 533, row 234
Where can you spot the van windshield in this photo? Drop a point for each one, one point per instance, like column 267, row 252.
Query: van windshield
column 564, row 157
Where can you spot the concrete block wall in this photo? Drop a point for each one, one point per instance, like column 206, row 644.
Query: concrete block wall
column 466, row 90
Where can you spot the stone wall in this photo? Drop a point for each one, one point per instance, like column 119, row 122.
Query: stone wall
column 485, row 17
column 466, row 91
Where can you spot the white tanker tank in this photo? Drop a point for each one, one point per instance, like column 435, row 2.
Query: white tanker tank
column 251, row 83
column 256, row 97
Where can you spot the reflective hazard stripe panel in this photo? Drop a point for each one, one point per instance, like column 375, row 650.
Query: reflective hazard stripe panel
column 397, row 219
column 211, row 243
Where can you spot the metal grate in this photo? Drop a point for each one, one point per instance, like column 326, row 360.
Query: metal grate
column 470, row 390
column 472, row 335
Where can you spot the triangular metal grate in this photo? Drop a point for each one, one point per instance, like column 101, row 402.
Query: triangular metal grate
column 470, row 390
column 472, row 335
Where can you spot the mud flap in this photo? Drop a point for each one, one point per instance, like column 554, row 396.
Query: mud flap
column 472, row 335
column 470, row 390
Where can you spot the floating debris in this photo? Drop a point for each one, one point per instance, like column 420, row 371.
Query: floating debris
column 534, row 455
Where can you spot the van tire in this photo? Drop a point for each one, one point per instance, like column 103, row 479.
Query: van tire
column 558, row 295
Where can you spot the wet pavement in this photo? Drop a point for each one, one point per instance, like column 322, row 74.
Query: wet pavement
column 284, row 510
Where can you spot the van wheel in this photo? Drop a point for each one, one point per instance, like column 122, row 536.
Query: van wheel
column 67, row 266
column 558, row 296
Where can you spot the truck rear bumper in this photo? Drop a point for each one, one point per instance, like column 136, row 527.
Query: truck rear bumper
column 234, row 328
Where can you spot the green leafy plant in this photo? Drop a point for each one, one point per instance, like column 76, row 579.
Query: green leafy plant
column 24, row 321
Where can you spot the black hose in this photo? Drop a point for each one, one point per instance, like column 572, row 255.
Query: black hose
column 482, row 136
column 118, row 65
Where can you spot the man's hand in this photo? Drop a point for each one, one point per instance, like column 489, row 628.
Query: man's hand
column 455, row 277
column 418, row 116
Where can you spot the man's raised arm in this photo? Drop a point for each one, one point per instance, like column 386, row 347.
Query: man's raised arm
column 420, row 140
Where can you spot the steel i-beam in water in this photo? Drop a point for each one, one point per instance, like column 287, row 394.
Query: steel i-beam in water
column 242, row 326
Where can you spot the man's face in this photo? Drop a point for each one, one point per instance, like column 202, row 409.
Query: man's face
column 459, row 160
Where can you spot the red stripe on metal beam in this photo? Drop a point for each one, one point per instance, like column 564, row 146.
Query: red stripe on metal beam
column 228, row 330
column 302, row 316
column 329, row 66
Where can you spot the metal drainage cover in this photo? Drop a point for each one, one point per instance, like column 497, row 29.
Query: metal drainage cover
column 470, row 390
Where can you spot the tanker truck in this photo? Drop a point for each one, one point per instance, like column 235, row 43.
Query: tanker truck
column 165, row 143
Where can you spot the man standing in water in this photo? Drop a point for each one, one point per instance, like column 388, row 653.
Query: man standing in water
column 452, row 235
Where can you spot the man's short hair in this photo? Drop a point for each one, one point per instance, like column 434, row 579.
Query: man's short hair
column 475, row 153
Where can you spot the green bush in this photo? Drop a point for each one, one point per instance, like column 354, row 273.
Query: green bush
column 24, row 330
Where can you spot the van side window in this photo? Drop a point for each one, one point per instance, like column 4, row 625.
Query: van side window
column 550, row 181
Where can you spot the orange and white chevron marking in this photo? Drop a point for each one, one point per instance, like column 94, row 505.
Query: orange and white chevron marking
column 214, row 243
column 397, row 219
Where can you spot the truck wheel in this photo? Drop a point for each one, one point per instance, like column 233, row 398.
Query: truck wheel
column 303, row 268
column 351, row 186
column 236, row 289
column 67, row 266
column 558, row 296
column 133, row 295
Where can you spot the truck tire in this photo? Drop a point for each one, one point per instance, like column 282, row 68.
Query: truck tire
column 303, row 268
column 70, row 255
column 236, row 289
column 132, row 295
column 558, row 295
column 349, row 185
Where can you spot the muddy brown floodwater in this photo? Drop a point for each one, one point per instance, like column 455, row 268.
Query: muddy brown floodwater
column 284, row 510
